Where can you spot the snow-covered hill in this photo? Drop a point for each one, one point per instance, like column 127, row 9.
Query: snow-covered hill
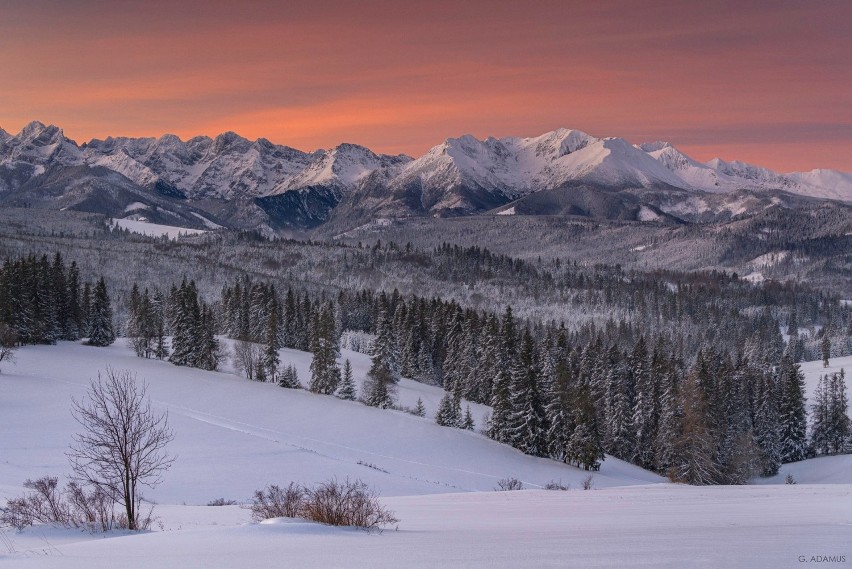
column 233, row 436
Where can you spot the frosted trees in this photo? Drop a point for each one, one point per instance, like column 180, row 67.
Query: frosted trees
column 346, row 389
column 325, row 374
column 830, row 425
column 527, row 426
column 793, row 421
column 100, row 320
column 384, row 371
column 449, row 411
column 123, row 443
column 695, row 448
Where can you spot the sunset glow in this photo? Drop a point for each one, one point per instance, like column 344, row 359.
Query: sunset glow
column 765, row 82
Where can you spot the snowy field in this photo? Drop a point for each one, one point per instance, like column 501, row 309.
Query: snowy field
column 234, row 436
column 155, row 229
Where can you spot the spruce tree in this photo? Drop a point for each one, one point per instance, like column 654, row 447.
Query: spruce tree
column 449, row 411
column 527, row 428
column 325, row 373
column 101, row 331
column 346, row 389
column 792, row 415
column 419, row 408
column 467, row 421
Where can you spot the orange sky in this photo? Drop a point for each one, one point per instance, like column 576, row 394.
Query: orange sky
column 766, row 82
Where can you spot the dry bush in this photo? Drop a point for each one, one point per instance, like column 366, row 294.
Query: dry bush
column 222, row 502
column 332, row 502
column 588, row 482
column 509, row 484
column 73, row 507
column 277, row 502
column 554, row 485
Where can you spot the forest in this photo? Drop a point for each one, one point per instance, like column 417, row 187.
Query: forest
column 689, row 374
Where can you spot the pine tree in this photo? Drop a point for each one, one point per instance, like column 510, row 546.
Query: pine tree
column 825, row 347
column 101, row 331
column 271, row 360
column 620, row 434
column 420, row 409
column 585, row 447
column 467, row 422
column 385, row 365
column 792, row 415
column 501, row 404
column 766, row 424
column 695, row 448
column 378, row 393
column 289, row 378
column 449, row 411
column 646, row 412
column 559, row 415
column 325, row 373
column 346, row 389
column 527, row 426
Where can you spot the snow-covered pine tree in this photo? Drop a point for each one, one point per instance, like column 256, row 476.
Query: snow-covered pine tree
column 646, row 412
column 419, row 408
column 325, row 373
column 766, row 423
column 385, row 365
column 695, row 448
column 467, row 422
column 378, row 393
column 346, row 389
column 559, row 412
column 620, row 439
column 501, row 403
column 527, row 427
column 791, row 408
column 585, row 447
column 101, row 331
column 449, row 411
column 271, row 360
column 289, row 378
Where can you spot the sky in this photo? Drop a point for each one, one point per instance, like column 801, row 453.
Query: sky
column 768, row 82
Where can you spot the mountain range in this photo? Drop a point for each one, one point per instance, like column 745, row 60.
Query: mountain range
column 234, row 182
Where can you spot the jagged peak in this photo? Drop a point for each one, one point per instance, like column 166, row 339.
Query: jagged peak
column 656, row 146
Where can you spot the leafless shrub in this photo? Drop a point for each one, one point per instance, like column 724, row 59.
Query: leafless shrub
column 222, row 502
column 789, row 479
column 554, row 485
column 332, row 502
column 509, row 484
column 346, row 503
column 74, row 507
column 277, row 502
column 588, row 482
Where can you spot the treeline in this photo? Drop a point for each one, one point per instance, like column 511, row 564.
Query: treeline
column 43, row 301
column 715, row 418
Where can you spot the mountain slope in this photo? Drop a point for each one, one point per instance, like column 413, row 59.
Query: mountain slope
column 257, row 184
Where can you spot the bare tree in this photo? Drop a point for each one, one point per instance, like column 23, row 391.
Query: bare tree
column 123, row 442
column 248, row 360
column 8, row 343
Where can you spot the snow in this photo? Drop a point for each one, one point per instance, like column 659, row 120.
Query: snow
column 510, row 211
column 234, row 436
column 647, row 214
column 663, row 527
column 135, row 206
column 207, row 223
column 154, row 229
